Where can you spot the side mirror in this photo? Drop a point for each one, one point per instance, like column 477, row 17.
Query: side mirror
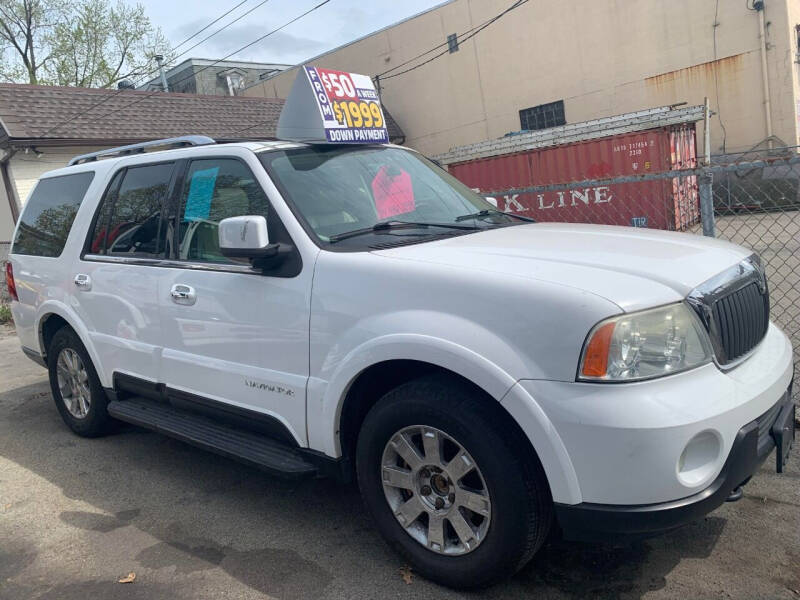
column 245, row 237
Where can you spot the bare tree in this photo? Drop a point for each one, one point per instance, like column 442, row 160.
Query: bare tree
column 85, row 43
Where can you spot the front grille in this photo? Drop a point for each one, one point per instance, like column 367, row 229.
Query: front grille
column 741, row 319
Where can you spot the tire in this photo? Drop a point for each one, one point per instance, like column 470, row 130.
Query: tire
column 92, row 419
column 517, row 516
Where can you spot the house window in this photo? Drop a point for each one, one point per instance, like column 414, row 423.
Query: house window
column 235, row 83
column 452, row 42
column 543, row 116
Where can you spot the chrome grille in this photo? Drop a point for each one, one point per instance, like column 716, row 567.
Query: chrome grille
column 741, row 320
column 734, row 307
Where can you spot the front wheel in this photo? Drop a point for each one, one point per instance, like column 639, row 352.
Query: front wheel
column 448, row 486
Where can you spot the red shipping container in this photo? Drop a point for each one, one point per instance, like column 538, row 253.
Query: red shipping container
column 670, row 203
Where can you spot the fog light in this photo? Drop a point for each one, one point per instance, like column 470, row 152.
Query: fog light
column 699, row 459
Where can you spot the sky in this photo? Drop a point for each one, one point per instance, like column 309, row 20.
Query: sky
column 333, row 24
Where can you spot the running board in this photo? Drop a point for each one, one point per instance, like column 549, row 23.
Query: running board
column 267, row 454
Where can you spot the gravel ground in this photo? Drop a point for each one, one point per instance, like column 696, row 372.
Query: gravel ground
column 77, row 515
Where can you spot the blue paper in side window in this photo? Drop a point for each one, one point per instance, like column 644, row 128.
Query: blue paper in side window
column 201, row 191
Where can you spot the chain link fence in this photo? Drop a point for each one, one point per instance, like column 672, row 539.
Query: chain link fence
column 757, row 205
column 750, row 199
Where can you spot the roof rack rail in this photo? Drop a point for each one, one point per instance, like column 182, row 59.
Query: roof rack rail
column 176, row 142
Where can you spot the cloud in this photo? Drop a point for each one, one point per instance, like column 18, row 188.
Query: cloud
column 320, row 31
column 278, row 47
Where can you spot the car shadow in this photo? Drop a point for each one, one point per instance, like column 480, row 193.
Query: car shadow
column 627, row 570
column 310, row 539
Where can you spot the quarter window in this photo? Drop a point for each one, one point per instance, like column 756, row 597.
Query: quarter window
column 213, row 190
column 49, row 214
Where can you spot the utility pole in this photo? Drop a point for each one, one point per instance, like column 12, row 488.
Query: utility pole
column 707, row 132
column 706, row 180
column 160, row 60
column 377, row 82
column 758, row 5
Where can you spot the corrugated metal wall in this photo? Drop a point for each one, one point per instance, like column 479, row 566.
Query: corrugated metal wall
column 657, row 204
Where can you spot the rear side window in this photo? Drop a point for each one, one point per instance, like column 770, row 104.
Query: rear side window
column 131, row 219
column 48, row 216
column 215, row 189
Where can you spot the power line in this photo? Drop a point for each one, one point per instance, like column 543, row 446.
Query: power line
column 410, row 60
column 473, row 34
column 119, row 91
column 474, row 31
column 255, row 41
column 219, row 18
column 248, row 128
column 208, row 37
column 445, row 43
column 196, row 33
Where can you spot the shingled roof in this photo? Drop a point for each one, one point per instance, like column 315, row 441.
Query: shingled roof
column 36, row 113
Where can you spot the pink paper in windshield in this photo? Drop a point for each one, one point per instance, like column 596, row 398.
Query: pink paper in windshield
column 393, row 194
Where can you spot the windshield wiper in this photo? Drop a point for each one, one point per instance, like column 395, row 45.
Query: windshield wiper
column 494, row 211
column 386, row 225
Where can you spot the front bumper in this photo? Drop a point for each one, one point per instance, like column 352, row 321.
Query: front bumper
column 652, row 441
column 600, row 522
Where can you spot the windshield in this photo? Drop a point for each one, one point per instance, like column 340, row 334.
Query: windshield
column 349, row 190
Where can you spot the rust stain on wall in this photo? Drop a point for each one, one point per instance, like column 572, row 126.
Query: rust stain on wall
column 727, row 66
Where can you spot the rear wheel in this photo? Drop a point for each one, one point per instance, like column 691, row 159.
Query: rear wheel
column 448, row 486
column 76, row 389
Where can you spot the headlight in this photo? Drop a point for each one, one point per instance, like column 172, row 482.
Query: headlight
column 643, row 345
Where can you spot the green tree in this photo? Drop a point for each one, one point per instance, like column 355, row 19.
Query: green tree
column 85, row 43
column 25, row 29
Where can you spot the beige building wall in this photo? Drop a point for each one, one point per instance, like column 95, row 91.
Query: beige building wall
column 602, row 57
column 25, row 170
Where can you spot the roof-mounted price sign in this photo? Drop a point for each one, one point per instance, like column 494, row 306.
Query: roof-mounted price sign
column 327, row 106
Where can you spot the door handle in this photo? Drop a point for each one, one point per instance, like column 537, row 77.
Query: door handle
column 83, row 282
column 183, row 294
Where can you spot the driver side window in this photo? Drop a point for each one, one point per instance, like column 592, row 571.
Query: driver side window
column 215, row 189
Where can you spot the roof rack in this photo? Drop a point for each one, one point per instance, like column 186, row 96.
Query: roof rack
column 176, row 142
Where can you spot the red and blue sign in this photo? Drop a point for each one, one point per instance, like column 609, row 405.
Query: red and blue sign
column 349, row 106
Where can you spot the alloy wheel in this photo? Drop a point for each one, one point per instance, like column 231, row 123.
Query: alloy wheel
column 73, row 383
column 435, row 490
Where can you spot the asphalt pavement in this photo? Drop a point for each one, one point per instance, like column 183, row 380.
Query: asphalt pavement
column 79, row 515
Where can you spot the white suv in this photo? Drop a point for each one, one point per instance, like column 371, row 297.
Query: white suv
column 356, row 311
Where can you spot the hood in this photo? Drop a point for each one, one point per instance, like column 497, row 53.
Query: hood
column 634, row 268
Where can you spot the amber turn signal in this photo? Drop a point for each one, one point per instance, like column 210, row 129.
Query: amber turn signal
column 595, row 360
